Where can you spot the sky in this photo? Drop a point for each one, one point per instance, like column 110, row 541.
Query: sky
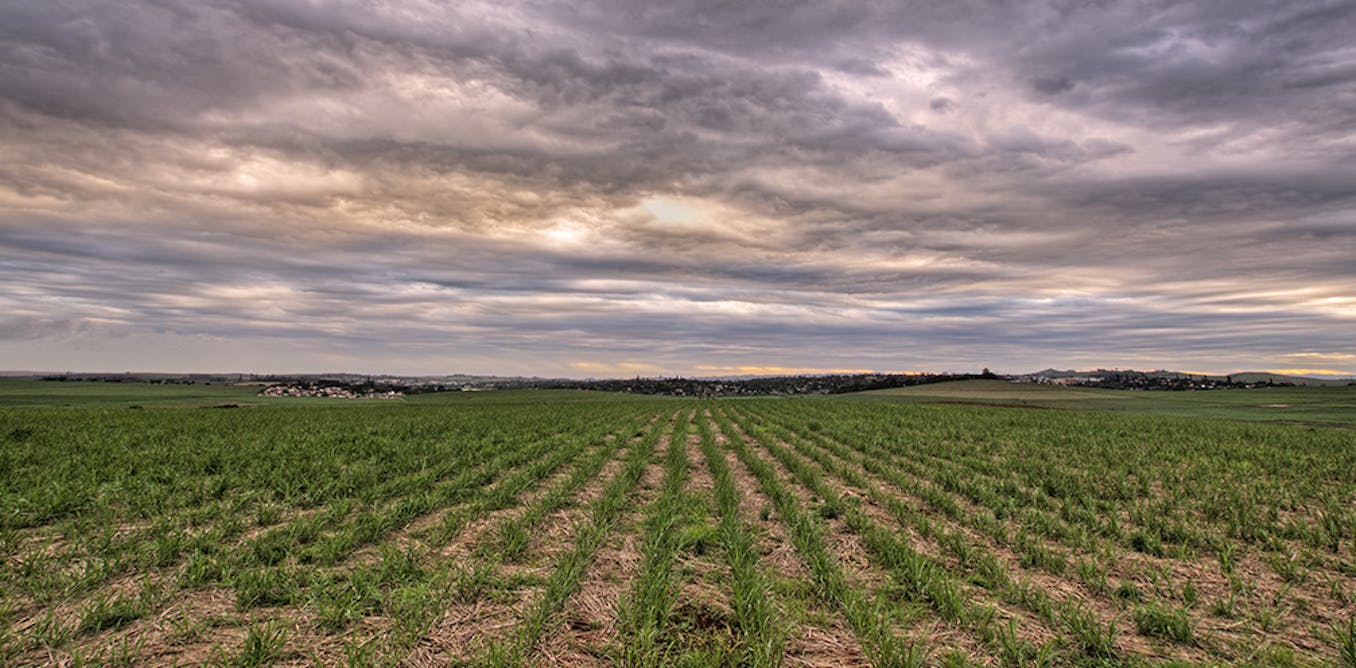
column 595, row 188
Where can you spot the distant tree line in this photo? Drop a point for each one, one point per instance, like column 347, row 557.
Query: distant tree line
column 763, row 386
column 1133, row 381
column 1152, row 380
column 675, row 386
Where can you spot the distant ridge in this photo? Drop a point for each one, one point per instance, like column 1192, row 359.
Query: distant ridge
column 1240, row 377
column 1056, row 373
column 1263, row 376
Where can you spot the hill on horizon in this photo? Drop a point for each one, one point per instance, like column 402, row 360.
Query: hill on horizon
column 1241, row 376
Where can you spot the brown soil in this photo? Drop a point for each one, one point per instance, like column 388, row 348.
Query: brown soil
column 458, row 550
column 829, row 644
column 773, row 543
column 1309, row 606
column 1060, row 588
column 192, row 630
column 588, row 625
column 704, row 588
column 856, row 560
column 467, row 628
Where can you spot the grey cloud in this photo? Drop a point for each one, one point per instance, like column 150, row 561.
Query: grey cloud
column 153, row 65
column 1052, row 85
column 387, row 174
column 29, row 328
column 1244, row 63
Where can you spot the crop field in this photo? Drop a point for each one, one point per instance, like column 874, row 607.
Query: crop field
column 1318, row 406
column 545, row 530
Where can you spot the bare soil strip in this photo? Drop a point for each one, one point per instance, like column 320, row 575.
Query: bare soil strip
column 819, row 637
column 845, row 551
column 588, row 626
column 940, row 638
column 470, row 628
column 1301, row 623
column 1061, row 589
column 225, row 627
column 480, row 531
column 145, row 632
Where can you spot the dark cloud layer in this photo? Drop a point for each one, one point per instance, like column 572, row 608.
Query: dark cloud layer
column 615, row 187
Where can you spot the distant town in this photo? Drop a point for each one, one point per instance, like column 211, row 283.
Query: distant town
column 328, row 391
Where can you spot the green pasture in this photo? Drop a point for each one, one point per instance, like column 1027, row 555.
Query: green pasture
column 1325, row 406
column 82, row 394
column 944, row 525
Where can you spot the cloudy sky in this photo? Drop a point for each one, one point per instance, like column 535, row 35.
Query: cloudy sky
column 618, row 187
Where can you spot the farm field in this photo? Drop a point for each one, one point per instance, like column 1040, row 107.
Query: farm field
column 51, row 394
column 55, row 394
column 1321, row 406
column 571, row 528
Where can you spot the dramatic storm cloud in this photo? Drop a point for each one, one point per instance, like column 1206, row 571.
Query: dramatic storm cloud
column 619, row 187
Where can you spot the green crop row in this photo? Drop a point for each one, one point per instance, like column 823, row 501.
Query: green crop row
column 936, row 535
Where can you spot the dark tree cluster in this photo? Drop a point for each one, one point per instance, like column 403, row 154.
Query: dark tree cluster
column 765, row 386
